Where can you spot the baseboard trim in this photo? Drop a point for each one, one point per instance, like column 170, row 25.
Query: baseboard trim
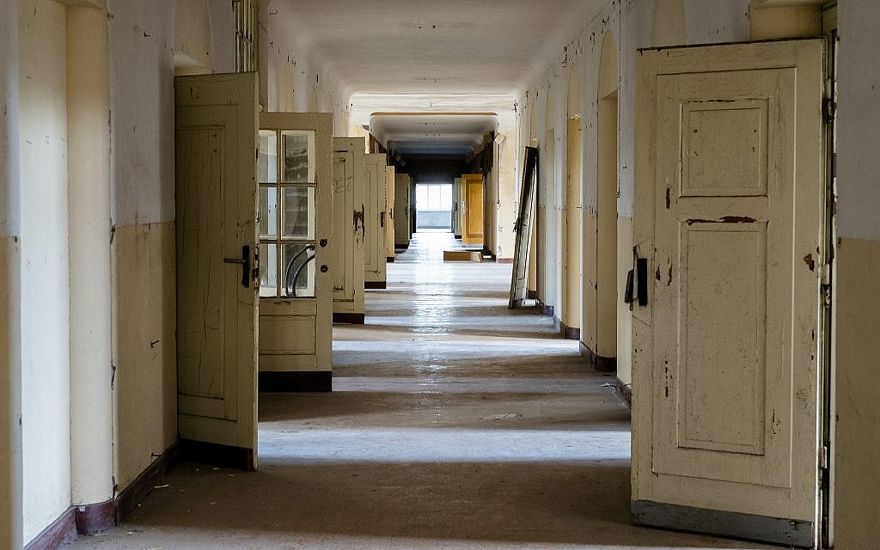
column 89, row 519
column 787, row 532
column 390, row 259
column 375, row 285
column 400, row 247
column 532, row 294
column 570, row 333
column 60, row 531
column 296, row 381
column 226, row 456
column 624, row 392
column 598, row 362
column 94, row 518
column 137, row 490
column 549, row 311
column 349, row 318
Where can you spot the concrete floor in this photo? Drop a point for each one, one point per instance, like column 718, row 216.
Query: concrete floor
column 455, row 423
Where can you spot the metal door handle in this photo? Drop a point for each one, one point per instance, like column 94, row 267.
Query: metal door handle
column 245, row 263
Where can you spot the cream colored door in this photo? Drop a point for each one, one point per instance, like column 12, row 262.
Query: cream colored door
column 402, row 229
column 729, row 215
column 374, row 221
column 456, row 207
column 347, row 244
column 216, row 214
column 389, row 213
column 294, row 228
column 472, row 223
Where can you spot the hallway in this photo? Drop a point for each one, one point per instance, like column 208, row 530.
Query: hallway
column 454, row 423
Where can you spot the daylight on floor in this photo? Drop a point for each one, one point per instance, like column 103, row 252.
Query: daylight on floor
column 285, row 274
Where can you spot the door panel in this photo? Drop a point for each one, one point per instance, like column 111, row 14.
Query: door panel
column 349, row 182
column 725, row 357
column 472, row 226
column 389, row 213
column 374, row 221
column 295, row 225
column 216, row 212
column 524, row 230
column 402, row 228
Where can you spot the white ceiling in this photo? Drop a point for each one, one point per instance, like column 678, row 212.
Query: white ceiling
column 432, row 134
column 462, row 46
column 391, row 51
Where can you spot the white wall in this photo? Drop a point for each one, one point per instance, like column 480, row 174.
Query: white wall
column 10, row 297
column 44, row 282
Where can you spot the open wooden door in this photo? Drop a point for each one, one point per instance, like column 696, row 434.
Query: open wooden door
column 294, row 228
column 472, row 224
column 729, row 210
column 523, row 228
column 347, row 245
column 374, row 221
column 402, row 203
column 456, row 208
column 389, row 214
column 216, row 202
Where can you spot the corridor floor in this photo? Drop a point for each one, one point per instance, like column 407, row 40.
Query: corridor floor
column 454, row 423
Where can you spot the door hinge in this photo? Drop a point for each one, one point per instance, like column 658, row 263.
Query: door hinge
column 829, row 109
column 826, row 274
column 824, row 457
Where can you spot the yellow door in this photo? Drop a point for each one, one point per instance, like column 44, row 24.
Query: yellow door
column 729, row 217
column 374, row 221
column 347, row 245
column 295, row 296
column 472, row 224
column 389, row 213
column 216, row 214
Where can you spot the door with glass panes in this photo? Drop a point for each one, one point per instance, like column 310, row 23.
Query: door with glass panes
column 294, row 227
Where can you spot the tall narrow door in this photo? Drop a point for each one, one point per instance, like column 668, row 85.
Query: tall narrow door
column 524, row 230
column 472, row 223
column 347, row 247
column 389, row 214
column 729, row 187
column 216, row 214
column 294, row 227
column 374, row 221
column 456, row 208
column 402, row 228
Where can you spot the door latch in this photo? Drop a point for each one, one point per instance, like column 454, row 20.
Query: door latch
column 245, row 263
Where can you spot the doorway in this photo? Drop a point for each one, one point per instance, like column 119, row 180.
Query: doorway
column 434, row 207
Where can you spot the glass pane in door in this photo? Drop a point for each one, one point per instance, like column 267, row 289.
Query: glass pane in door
column 299, row 271
column 299, row 213
column 268, row 270
column 268, row 158
column 298, row 147
column 268, row 212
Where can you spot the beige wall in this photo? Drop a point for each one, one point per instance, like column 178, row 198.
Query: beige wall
column 857, row 291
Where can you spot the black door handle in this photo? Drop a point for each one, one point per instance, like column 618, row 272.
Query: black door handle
column 245, row 263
